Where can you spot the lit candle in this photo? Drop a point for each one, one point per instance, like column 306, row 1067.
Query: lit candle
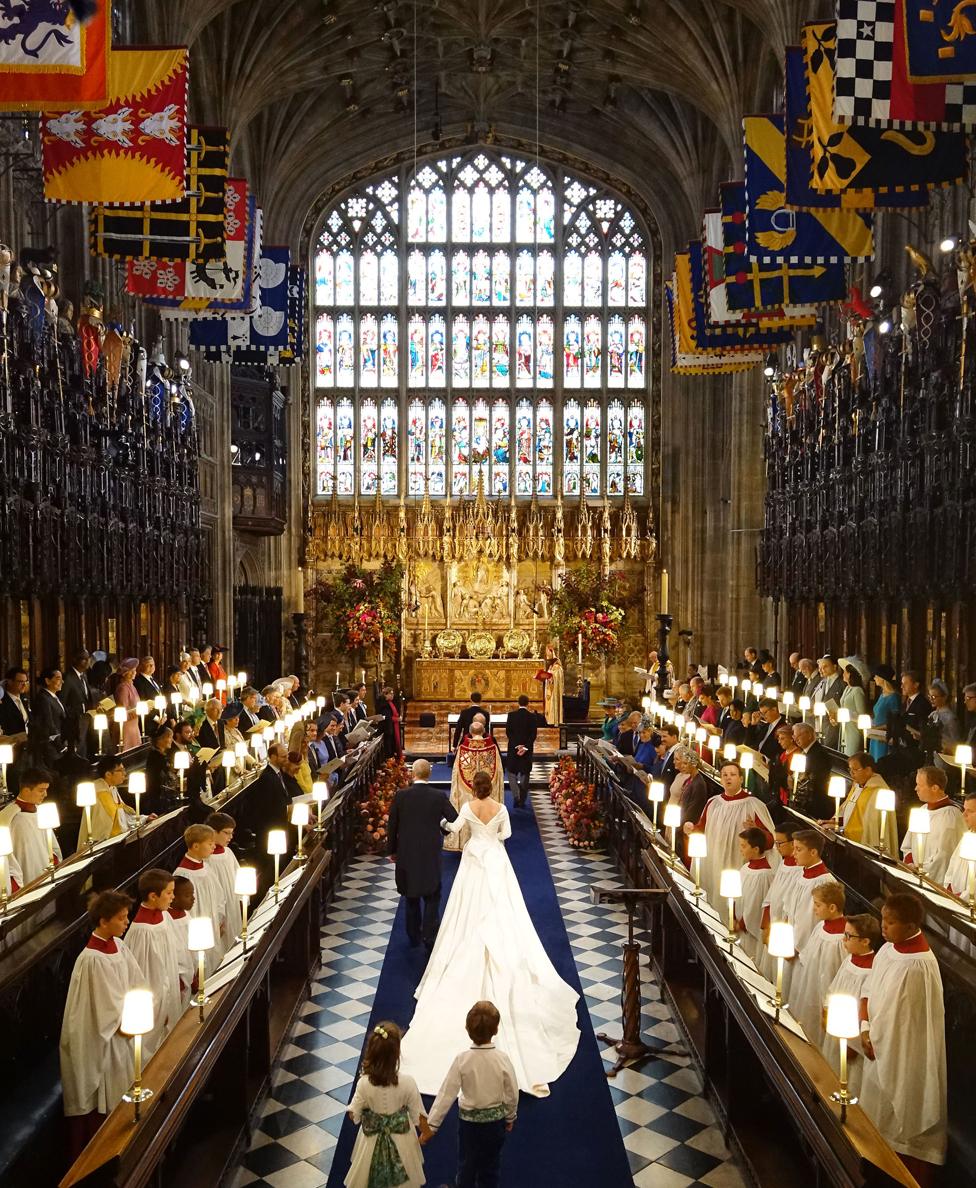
column 200, row 939
column 746, row 762
column 804, row 704
column 337, row 680
column 300, row 592
column 664, row 591
column 160, row 703
column 864, row 725
column 181, row 761
column 579, row 645
column 964, row 757
column 729, row 751
column 85, row 798
column 241, row 679
column 819, row 713
column 798, row 765
column 730, row 888
column 320, row 794
column 221, row 685
column 101, row 725
column 885, row 802
column 6, row 758
column 381, row 647
column 672, row 821
column 48, row 819
column 363, row 680
column 789, row 700
column 919, row 826
column 656, row 794
column 120, row 716
column 137, row 785
column 138, row 1017
column 277, row 845
column 245, row 885
column 781, row 947
column 700, row 735
column 142, row 708
column 837, row 790
column 207, row 689
column 299, row 818
column 723, row 678
column 176, row 699
column 843, row 1023
column 697, row 850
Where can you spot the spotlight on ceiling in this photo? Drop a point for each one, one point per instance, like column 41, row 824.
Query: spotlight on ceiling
column 948, row 244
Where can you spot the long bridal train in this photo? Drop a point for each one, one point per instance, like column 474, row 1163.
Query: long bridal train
column 487, row 948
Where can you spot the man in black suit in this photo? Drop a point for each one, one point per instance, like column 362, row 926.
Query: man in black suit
column 414, row 845
column 15, row 710
column 669, row 737
column 762, row 734
column 797, row 678
column 811, row 796
column 45, row 737
column 733, row 731
column 145, row 682
column 74, row 694
column 465, row 718
column 629, row 735
column 359, row 707
column 269, row 798
column 521, row 728
column 250, row 713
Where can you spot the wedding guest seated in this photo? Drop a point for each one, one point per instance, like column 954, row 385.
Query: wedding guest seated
column 903, row 1028
column 734, row 730
column 710, row 710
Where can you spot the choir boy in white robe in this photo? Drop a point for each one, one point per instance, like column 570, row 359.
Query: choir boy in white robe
column 722, row 820
column 772, row 908
column 96, row 1060
column 818, row 961
column 208, row 897
column 946, row 825
column 223, row 862
column 20, row 816
column 862, row 939
column 154, row 941
column 179, row 914
column 757, row 876
column 110, row 815
column 903, row 1037
column 798, row 901
column 957, row 872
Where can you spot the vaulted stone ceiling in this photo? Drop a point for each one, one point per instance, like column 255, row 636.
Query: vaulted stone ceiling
column 650, row 91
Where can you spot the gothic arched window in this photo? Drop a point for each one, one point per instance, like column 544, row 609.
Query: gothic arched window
column 456, row 290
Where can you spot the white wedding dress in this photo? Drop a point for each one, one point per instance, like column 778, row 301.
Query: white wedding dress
column 487, row 948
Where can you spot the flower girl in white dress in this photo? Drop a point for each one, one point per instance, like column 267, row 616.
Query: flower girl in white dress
column 387, row 1108
column 487, row 948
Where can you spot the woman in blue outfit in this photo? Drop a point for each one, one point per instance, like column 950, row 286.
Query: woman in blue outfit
column 886, row 707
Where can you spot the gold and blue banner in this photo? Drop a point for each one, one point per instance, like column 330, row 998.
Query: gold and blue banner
column 263, row 337
column 800, row 192
column 685, row 360
column 887, row 160
column 940, row 38
column 735, row 337
column 752, row 284
column 773, row 231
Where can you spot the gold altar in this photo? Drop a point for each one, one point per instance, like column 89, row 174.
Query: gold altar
column 443, row 678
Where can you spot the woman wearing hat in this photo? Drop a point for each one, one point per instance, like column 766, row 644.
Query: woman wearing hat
column 853, row 699
column 126, row 695
column 886, row 707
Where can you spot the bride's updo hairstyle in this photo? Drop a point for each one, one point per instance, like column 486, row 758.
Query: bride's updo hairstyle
column 481, row 785
column 381, row 1062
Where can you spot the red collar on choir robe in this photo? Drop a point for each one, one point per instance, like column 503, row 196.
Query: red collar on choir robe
column 103, row 946
column 219, row 850
column 743, row 795
column 811, row 872
column 148, row 916
column 758, row 864
column 177, row 913
column 863, row 962
column 915, row 944
column 835, row 927
column 943, row 803
column 791, row 861
column 189, row 863
column 25, row 807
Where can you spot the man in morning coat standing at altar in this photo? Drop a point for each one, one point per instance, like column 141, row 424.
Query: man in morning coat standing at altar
column 521, row 728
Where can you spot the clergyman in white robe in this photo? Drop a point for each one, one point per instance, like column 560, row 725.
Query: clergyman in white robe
column 154, row 941
column 476, row 753
column 904, row 1087
column 96, row 1060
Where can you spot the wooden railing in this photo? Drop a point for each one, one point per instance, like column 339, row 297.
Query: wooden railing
column 771, row 1089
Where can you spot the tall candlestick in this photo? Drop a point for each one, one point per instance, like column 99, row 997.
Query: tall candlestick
column 300, row 592
column 664, row 592
column 579, row 645
column 381, row 647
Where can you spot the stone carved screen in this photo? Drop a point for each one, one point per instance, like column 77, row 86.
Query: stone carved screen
column 452, row 290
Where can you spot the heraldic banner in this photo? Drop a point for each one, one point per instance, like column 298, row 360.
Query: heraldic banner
column 133, row 149
column 51, row 62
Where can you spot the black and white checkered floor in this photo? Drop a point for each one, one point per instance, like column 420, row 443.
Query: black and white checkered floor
column 667, row 1126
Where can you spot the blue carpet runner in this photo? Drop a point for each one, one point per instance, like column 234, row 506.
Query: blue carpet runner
column 570, row 1138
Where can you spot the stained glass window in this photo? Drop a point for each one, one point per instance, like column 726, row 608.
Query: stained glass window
column 505, row 262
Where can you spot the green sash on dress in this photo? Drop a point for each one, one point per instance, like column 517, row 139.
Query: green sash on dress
column 386, row 1169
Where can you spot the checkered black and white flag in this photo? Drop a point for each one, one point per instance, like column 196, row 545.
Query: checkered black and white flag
column 871, row 74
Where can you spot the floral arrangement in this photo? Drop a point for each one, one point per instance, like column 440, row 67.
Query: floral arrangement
column 576, row 803
column 588, row 605
column 358, row 604
column 375, row 809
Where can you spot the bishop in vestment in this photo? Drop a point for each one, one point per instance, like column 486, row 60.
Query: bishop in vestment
column 477, row 752
column 552, row 687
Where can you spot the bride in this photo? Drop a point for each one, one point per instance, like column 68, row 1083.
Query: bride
column 487, row 948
